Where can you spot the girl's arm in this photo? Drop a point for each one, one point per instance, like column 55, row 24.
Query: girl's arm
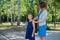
column 33, row 28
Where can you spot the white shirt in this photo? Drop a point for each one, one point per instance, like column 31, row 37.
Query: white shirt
column 42, row 18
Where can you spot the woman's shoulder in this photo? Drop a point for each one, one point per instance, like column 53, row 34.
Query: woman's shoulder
column 45, row 12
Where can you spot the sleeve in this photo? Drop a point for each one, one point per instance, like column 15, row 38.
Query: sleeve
column 43, row 16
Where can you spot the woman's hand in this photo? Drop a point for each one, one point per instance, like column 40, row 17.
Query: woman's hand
column 35, row 18
column 35, row 21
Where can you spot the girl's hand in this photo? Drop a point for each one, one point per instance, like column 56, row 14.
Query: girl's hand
column 32, row 34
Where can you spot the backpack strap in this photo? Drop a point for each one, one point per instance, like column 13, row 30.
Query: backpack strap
column 40, row 12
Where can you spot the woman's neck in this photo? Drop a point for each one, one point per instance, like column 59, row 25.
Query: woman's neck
column 43, row 9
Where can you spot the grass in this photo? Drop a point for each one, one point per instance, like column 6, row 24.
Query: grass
column 53, row 25
column 50, row 26
column 5, row 24
column 8, row 24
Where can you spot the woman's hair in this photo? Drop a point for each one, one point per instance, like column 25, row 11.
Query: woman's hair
column 43, row 5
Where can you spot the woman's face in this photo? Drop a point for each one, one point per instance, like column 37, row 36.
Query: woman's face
column 30, row 16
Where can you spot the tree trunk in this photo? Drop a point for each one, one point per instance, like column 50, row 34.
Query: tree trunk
column 7, row 12
column 14, row 13
column 18, row 19
column 11, row 12
column 37, row 6
column 0, row 18
column 55, row 19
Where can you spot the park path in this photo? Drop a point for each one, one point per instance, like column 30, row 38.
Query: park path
column 18, row 33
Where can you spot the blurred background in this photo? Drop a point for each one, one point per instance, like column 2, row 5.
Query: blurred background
column 13, row 18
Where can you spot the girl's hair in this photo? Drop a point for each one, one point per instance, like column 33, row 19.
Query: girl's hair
column 30, row 14
column 43, row 5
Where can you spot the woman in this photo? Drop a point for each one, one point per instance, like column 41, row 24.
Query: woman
column 42, row 21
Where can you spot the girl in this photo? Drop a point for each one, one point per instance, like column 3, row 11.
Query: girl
column 42, row 21
column 30, row 31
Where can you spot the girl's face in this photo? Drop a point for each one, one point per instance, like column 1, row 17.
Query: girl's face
column 30, row 17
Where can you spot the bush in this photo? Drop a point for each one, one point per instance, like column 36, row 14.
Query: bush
column 48, row 28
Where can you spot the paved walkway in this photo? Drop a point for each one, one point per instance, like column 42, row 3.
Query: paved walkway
column 16, row 34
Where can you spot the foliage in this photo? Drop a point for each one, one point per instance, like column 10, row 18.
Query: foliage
column 53, row 10
column 27, row 6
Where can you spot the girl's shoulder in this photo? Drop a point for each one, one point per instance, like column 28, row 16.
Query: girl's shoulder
column 33, row 21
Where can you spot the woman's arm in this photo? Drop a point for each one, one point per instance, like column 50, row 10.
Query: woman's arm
column 36, row 18
column 33, row 23
column 36, row 21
